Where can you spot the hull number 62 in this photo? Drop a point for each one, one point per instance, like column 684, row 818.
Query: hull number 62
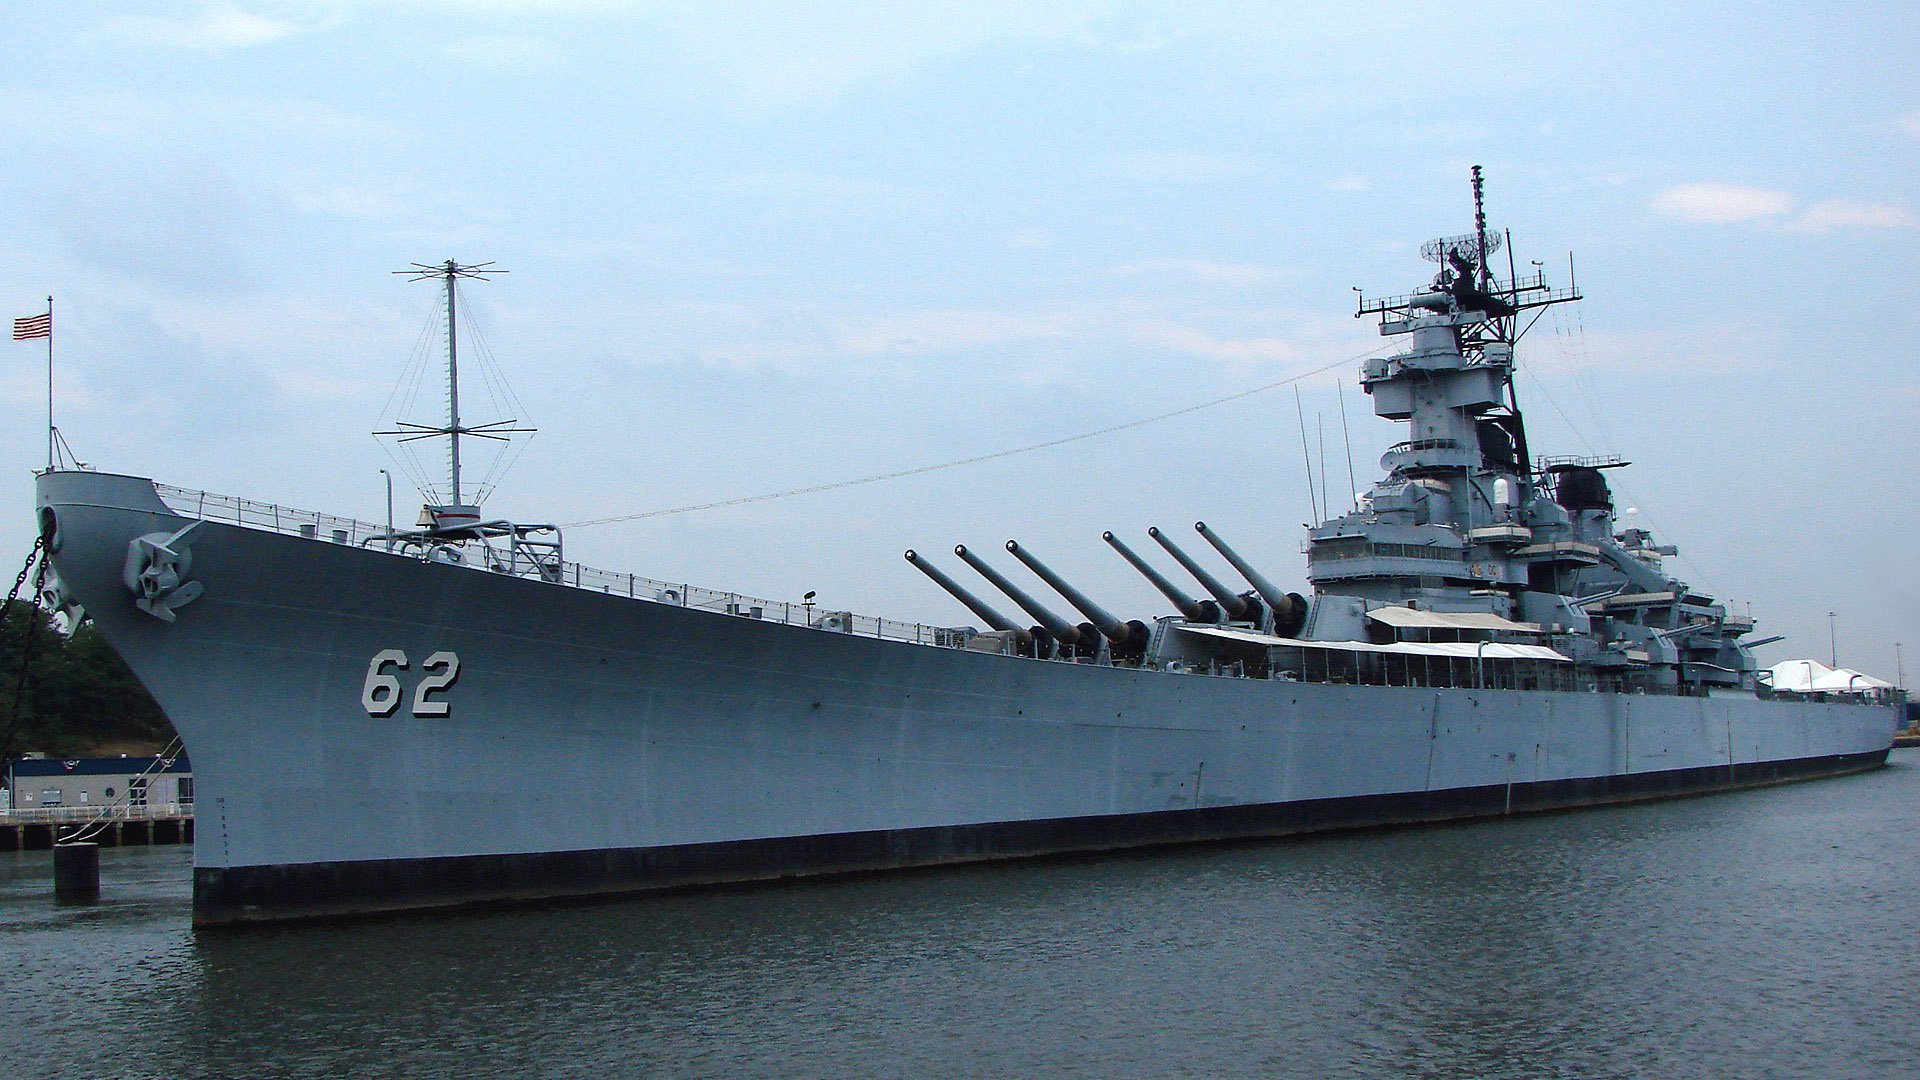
column 382, row 692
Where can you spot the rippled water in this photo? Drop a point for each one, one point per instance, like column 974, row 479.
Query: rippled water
column 1768, row 933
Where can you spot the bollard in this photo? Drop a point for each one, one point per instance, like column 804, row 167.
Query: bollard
column 76, row 873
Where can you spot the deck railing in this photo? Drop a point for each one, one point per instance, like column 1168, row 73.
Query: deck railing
column 87, row 813
column 332, row 529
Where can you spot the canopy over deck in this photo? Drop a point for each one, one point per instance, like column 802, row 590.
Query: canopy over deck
column 1418, row 618
column 1466, row 650
column 1814, row 677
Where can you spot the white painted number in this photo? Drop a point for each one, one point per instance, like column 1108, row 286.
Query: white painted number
column 382, row 693
column 442, row 668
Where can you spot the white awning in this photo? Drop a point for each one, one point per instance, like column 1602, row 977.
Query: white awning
column 1233, row 633
column 1814, row 677
column 1797, row 676
column 1403, row 617
column 1465, row 650
column 1849, row 681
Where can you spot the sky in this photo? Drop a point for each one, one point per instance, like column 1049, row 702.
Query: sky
column 757, row 247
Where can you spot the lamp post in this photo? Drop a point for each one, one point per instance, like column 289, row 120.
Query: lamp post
column 1480, row 663
column 389, row 478
column 1833, row 643
column 1899, row 669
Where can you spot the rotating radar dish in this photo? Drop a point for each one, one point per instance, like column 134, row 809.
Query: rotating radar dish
column 1435, row 251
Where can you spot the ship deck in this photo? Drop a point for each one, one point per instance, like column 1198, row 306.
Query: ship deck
column 271, row 517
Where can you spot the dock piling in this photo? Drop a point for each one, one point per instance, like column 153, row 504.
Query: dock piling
column 76, row 873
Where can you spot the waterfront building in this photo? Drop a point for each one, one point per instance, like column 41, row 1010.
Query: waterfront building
column 134, row 782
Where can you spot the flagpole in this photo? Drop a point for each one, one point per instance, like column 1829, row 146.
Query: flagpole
column 51, row 437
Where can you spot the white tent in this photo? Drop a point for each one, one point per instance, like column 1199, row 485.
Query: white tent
column 1846, row 680
column 1814, row 677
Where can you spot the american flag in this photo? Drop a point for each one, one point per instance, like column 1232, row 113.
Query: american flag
column 33, row 326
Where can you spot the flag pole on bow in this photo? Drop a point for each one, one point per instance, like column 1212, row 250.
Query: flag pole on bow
column 41, row 326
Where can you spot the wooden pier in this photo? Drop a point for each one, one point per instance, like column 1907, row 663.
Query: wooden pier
column 38, row 829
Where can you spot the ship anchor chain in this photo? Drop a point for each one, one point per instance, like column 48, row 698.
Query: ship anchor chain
column 156, row 572
column 34, row 556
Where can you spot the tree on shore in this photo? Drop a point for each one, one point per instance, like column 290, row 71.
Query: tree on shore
column 77, row 693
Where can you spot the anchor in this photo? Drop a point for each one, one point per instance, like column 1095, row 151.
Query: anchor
column 56, row 597
column 155, row 572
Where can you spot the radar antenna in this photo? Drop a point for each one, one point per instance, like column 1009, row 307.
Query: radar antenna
column 1480, row 228
column 1436, row 251
column 497, row 430
column 1466, row 271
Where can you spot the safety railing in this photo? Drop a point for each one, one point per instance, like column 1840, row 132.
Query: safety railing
column 86, row 812
column 327, row 527
column 268, row 516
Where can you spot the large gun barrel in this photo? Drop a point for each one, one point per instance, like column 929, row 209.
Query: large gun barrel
column 1115, row 631
column 1269, row 592
column 1185, row 604
column 1289, row 609
column 974, row 604
column 1232, row 603
column 1062, row 630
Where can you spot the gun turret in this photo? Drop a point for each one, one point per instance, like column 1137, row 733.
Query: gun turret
column 1129, row 638
column 974, row 604
column 1289, row 609
column 1062, row 631
column 1233, row 604
column 1197, row 610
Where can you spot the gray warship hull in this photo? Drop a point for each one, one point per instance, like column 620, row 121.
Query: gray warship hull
column 595, row 743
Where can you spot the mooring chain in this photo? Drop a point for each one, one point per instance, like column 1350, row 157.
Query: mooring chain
column 33, row 554
column 26, row 652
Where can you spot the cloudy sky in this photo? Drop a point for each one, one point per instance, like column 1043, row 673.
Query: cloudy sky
column 758, row 247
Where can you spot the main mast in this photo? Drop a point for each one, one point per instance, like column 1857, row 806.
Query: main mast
column 450, row 272
column 455, row 513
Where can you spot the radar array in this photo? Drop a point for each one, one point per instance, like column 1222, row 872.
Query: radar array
column 454, row 430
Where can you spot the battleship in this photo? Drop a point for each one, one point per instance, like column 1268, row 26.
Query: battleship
column 387, row 719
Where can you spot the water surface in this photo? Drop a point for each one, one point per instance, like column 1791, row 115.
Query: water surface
column 1766, row 933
